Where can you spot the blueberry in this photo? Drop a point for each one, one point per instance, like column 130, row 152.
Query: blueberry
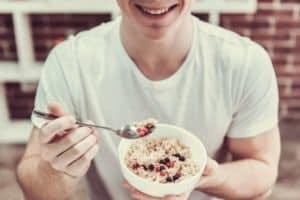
column 177, row 155
column 182, row 158
column 175, row 177
column 151, row 167
column 167, row 160
column 169, row 179
column 162, row 162
column 162, row 167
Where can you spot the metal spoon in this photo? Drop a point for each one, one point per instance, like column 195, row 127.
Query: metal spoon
column 127, row 131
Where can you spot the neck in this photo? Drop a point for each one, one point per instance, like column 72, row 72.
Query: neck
column 158, row 58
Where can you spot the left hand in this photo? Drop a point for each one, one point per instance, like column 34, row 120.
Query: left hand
column 141, row 196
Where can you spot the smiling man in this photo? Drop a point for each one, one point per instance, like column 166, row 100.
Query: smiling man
column 156, row 61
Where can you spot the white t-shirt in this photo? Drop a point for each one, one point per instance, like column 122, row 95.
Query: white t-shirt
column 226, row 87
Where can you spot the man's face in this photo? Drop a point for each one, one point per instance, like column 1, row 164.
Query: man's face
column 154, row 17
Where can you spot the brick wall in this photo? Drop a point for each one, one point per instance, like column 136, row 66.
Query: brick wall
column 7, row 41
column 276, row 26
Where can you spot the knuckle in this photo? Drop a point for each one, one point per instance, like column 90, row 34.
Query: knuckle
column 93, row 139
column 56, row 166
column 70, row 119
column 69, row 140
column 76, row 150
column 85, row 130
column 46, row 154
column 85, row 158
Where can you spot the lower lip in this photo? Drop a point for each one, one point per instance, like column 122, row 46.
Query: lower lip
column 158, row 16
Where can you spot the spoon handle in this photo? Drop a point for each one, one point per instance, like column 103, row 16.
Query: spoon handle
column 49, row 116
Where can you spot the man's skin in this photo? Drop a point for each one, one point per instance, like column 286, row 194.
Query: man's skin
column 52, row 165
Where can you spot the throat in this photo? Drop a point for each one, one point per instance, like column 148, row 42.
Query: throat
column 159, row 70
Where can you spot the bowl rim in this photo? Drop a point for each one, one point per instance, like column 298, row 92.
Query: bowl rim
column 183, row 182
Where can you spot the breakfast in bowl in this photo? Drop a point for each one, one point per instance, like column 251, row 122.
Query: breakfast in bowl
column 169, row 161
column 163, row 160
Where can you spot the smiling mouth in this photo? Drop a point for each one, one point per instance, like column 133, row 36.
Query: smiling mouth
column 156, row 11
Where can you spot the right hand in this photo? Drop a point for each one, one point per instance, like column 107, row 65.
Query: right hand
column 67, row 147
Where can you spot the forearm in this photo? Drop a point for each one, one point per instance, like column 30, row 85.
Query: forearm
column 243, row 179
column 40, row 182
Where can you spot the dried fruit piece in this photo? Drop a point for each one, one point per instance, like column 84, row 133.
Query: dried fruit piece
column 162, row 173
column 157, row 169
column 169, row 179
column 182, row 158
column 162, row 162
column 176, row 176
column 135, row 166
column 177, row 155
column 151, row 167
column 162, row 167
column 170, row 164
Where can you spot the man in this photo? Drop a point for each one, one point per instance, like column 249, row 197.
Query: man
column 156, row 61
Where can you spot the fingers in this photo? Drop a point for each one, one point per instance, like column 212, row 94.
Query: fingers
column 80, row 166
column 56, row 109
column 177, row 197
column 57, row 126
column 137, row 194
column 212, row 175
column 69, row 140
column 210, row 168
column 74, row 153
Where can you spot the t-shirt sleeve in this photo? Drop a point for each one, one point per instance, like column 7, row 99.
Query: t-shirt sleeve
column 53, row 86
column 256, row 106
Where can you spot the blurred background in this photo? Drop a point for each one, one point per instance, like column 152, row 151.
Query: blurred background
column 29, row 29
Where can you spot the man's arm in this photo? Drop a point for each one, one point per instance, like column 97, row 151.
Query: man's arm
column 253, row 171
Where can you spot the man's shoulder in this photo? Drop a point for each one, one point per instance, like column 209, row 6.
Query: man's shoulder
column 222, row 35
column 85, row 46
column 87, row 40
column 232, row 49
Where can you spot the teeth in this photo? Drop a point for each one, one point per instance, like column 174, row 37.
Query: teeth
column 155, row 12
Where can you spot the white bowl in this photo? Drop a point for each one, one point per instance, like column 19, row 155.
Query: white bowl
column 158, row 189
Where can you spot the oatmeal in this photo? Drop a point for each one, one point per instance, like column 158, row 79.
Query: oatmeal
column 163, row 160
column 145, row 127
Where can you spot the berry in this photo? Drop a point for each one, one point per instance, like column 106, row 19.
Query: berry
column 162, row 167
column 162, row 162
column 169, row 179
column 151, row 167
column 176, row 155
column 182, row 158
column 162, row 173
column 167, row 160
column 176, row 176
column 157, row 169
column 135, row 166
column 170, row 164
column 142, row 133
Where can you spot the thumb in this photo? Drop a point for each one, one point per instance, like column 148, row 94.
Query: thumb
column 211, row 167
column 56, row 109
